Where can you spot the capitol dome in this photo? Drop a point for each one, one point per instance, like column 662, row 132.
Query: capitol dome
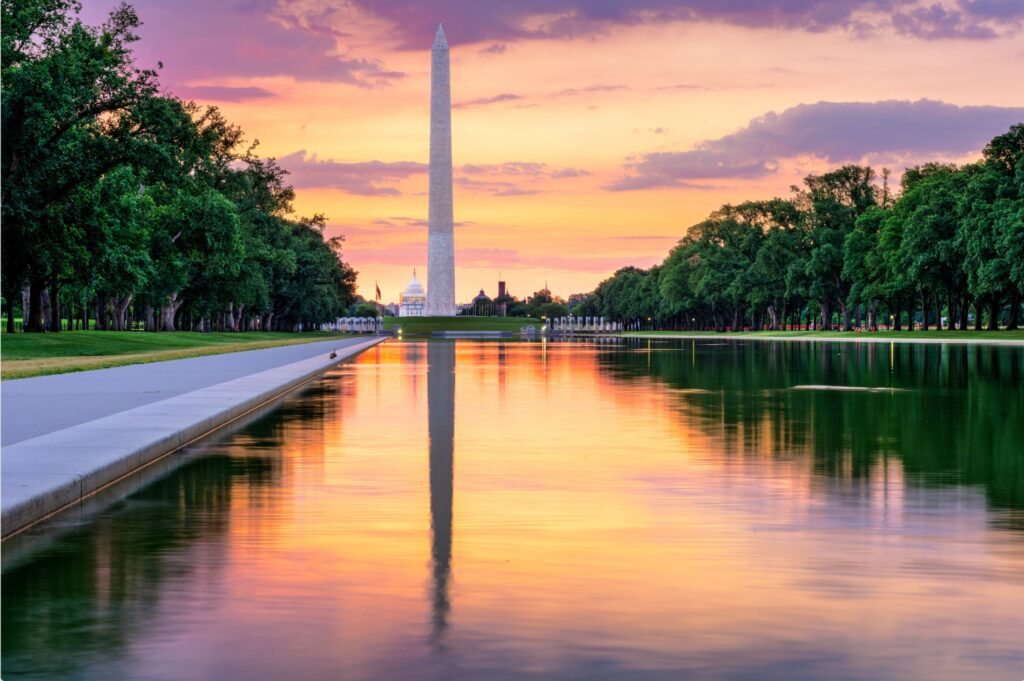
column 413, row 301
column 414, row 288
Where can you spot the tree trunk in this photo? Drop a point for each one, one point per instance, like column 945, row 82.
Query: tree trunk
column 102, row 313
column 9, row 308
column 924, row 312
column 1014, row 312
column 844, row 315
column 993, row 313
column 965, row 308
column 978, row 308
column 120, row 311
column 826, row 316
column 169, row 311
column 54, row 305
column 33, row 321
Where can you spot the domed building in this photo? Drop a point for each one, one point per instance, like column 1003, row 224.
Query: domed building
column 413, row 301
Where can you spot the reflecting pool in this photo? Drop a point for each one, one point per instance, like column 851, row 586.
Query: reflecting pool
column 620, row 510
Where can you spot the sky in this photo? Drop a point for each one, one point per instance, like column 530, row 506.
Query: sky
column 587, row 134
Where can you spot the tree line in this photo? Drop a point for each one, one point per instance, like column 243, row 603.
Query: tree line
column 123, row 205
column 843, row 251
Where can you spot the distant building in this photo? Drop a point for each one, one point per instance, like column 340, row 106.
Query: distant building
column 501, row 290
column 413, row 301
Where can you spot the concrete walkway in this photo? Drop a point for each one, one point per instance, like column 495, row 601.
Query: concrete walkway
column 35, row 406
column 128, row 417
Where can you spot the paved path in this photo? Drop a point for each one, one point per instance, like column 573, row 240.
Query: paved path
column 36, row 406
column 56, row 470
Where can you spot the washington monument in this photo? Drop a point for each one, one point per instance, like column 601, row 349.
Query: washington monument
column 441, row 236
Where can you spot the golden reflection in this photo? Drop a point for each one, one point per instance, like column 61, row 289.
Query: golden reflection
column 621, row 503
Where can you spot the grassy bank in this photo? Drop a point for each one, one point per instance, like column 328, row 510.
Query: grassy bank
column 37, row 354
column 916, row 336
column 415, row 326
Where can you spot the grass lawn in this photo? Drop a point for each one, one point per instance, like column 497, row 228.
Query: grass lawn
column 414, row 326
column 36, row 354
column 932, row 335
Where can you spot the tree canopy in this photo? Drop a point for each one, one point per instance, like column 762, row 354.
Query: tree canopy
column 842, row 251
column 126, row 204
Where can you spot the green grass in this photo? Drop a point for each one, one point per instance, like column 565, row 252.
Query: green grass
column 36, row 354
column 895, row 335
column 414, row 326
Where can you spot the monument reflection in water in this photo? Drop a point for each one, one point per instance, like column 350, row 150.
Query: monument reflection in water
column 635, row 510
column 441, row 412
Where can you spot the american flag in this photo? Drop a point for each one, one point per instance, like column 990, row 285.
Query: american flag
column 378, row 291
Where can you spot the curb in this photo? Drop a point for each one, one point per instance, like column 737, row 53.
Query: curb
column 45, row 475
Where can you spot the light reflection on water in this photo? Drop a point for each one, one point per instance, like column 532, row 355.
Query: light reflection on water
column 533, row 510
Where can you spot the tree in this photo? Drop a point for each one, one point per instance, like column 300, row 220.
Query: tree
column 833, row 202
column 70, row 113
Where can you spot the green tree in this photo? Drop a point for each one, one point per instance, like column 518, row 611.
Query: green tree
column 833, row 202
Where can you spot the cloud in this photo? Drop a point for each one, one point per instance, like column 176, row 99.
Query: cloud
column 518, row 171
column 510, row 97
column 484, row 101
column 377, row 178
column 367, row 178
column 935, row 22
column 495, row 188
column 524, row 168
column 568, row 172
column 413, row 21
column 496, row 48
column 574, row 91
column 837, row 132
column 680, row 86
column 222, row 93
column 199, row 40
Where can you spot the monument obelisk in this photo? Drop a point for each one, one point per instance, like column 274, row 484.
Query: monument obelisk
column 441, row 235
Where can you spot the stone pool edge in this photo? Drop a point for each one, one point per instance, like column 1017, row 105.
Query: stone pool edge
column 43, row 476
column 867, row 338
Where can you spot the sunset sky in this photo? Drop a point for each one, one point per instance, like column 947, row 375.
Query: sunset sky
column 587, row 134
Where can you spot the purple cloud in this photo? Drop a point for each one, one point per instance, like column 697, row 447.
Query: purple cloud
column 936, row 22
column 574, row 91
column 202, row 40
column 484, row 101
column 483, row 22
column 495, row 187
column 994, row 9
column 834, row 131
column 377, row 178
column 527, row 168
column 222, row 93
column 199, row 40
column 367, row 178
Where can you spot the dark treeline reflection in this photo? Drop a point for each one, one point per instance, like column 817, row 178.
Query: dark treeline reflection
column 84, row 597
column 952, row 414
